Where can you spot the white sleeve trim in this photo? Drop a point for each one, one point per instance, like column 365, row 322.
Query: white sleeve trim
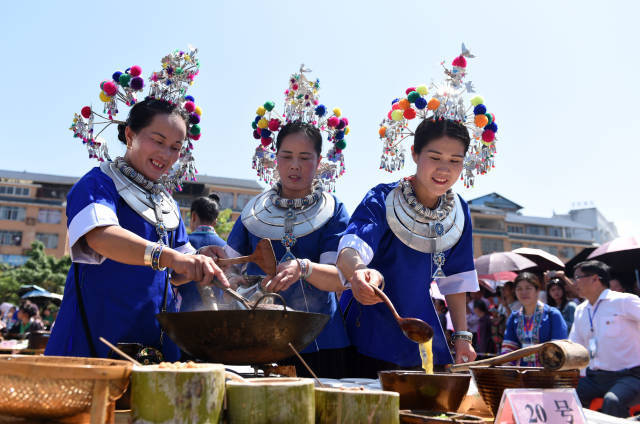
column 230, row 251
column 92, row 216
column 354, row 242
column 329, row 258
column 459, row 283
column 185, row 249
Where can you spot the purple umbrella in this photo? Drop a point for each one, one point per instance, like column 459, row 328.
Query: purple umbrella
column 545, row 261
column 621, row 254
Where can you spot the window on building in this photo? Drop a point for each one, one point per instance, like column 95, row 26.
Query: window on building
column 242, row 200
column 555, row 231
column 50, row 216
column 49, row 240
column 14, row 191
column 490, row 245
column 567, row 252
column 12, row 213
column 550, row 249
column 535, row 230
column 226, row 200
column 488, row 224
column 515, row 246
column 10, row 238
column 515, row 229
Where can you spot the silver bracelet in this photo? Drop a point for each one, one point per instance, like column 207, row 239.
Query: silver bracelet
column 462, row 335
column 147, row 254
column 305, row 268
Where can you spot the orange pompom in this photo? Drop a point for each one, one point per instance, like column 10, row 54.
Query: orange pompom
column 481, row 121
column 382, row 131
column 404, row 104
column 433, row 104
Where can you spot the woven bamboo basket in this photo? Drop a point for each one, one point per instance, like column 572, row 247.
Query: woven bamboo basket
column 492, row 381
column 58, row 386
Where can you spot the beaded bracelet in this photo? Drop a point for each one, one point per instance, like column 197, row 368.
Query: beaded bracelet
column 306, row 268
column 462, row 335
column 155, row 257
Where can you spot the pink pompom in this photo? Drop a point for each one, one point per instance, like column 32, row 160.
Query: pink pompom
column 86, row 112
column 274, row 125
column 154, row 77
column 294, row 86
column 333, row 121
column 195, row 137
column 109, row 88
column 135, row 71
column 409, row 90
column 460, row 61
column 389, row 114
column 190, row 106
column 345, row 120
column 395, row 106
column 488, row 136
column 266, row 141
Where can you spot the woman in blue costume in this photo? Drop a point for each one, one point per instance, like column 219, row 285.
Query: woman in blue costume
column 534, row 323
column 305, row 221
column 405, row 234
column 125, row 230
column 204, row 215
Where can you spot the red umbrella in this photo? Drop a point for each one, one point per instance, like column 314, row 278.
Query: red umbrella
column 494, row 263
column 499, row 276
column 621, row 254
column 544, row 261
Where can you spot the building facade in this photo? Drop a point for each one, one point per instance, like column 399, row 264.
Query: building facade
column 499, row 226
column 32, row 207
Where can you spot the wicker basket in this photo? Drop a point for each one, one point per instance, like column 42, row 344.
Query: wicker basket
column 57, row 386
column 492, row 381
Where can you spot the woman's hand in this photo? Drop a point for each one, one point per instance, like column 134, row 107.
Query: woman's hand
column 361, row 283
column 214, row 252
column 199, row 268
column 287, row 273
column 464, row 351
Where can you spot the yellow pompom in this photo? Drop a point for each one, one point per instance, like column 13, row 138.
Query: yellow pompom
column 263, row 123
column 198, row 111
column 397, row 115
column 347, row 130
column 422, row 89
column 261, row 111
column 477, row 100
column 104, row 97
column 433, row 104
column 481, row 121
column 337, row 111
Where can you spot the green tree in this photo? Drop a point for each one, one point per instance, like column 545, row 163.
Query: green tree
column 41, row 269
column 224, row 225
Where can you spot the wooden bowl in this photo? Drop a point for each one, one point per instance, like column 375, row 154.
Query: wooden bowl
column 434, row 392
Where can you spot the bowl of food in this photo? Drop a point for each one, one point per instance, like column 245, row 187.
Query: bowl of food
column 418, row 390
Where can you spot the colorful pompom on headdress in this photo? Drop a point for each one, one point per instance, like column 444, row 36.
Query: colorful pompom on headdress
column 442, row 101
column 301, row 104
column 169, row 84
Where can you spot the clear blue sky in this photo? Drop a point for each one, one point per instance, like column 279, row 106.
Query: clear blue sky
column 561, row 77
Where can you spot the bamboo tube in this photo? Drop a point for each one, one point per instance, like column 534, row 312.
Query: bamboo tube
column 172, row 395
column 271, row 400
column 356, row 406
column 560, row 355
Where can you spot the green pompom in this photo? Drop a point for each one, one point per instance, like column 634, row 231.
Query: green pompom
column 124, row 80
column 254, row 125
column 341, row 144
column 488, row 115
column 179, row 71
column 477, row 100
column 195, row 129
column 413, row 96
column 269, row 106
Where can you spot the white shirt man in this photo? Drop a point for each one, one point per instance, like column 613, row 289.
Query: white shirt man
column 608, row 325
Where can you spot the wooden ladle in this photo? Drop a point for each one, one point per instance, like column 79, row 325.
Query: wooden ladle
column 262, row 256
column 413, row 328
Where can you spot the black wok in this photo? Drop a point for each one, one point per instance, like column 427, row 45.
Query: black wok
column 242, row 337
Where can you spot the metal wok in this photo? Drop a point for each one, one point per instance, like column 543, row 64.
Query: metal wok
column 242, row 337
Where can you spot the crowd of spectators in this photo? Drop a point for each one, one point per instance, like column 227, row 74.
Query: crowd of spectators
column 18, row 322
column 600, row 312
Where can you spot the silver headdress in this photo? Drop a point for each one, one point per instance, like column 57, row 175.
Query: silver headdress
column 301, row 104
column 446, row 102
column 170, row 84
